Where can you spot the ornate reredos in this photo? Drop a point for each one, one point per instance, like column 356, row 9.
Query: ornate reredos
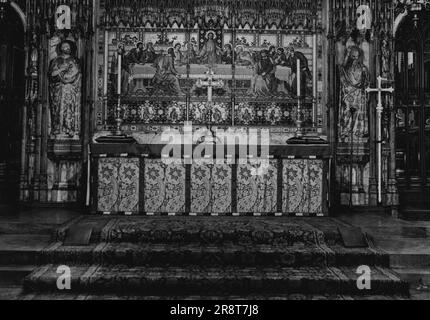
column 253, row 14
column 249, row 96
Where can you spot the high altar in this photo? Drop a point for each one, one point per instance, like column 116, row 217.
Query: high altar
column 115, row 90
column 253, row 70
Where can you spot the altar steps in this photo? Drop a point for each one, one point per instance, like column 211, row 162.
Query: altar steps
column 16, row 294
column 148, row 281
column 162, row 258
column 161, row 255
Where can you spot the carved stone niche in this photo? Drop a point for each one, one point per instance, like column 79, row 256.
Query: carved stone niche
column 355, row 168
column 64, row 170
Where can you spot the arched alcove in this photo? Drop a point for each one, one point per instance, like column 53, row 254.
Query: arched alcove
column 12, row 93
column 412, row 69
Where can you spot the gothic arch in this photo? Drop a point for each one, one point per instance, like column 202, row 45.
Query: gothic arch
column 398, row 21
column 20, row 13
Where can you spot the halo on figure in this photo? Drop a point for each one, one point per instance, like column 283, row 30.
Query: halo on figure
column 211, row 32
column 239, row 46
column 229, row 46
column 72, row 44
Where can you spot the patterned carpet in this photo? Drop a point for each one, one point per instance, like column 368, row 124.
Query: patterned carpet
column 213, row 257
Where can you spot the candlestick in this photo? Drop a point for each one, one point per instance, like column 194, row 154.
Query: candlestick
column 119, row 120
column 299, row 82
column 299, row 133
column 118, row 135
column 119, row 71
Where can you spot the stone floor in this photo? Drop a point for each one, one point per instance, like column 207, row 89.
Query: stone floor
column 27, row 232
column 407, row 243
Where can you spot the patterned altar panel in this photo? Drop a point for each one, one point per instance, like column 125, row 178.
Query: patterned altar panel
column 211, row 188
column 271, row 113
column 219, row 113
column 303, row 187
column 164, row 187
column 151, row 112
column 257, row 193
column 118, row 185
column 316, row 184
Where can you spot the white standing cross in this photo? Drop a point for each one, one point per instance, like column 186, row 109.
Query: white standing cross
column 380, row 108
column 210, row 83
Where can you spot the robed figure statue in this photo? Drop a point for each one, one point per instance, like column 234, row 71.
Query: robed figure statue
column 353, row 115
column 65, row 93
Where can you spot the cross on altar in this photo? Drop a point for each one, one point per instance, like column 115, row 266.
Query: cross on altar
column 380, row 108
column 210, row 83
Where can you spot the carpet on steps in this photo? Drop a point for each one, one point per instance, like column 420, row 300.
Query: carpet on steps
column 282, row 255
column 207, row 230
column 214, row 257
column 215, row 281
column 290, row 297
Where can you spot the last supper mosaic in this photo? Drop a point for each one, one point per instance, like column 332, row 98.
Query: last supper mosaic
column 229, row 63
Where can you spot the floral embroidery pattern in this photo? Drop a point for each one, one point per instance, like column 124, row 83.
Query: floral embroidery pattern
column 118, row 189
column 257, row 193
column 164, row 187
column 211, row 188
column 303, row 187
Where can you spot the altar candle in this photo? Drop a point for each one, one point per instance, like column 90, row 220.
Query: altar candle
column 299, row 82
column 119, row 71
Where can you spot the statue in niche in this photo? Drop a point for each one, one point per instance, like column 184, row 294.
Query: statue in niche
column 353, row 115
column 400, row 118
column 386, row 58
column 65, row 92
column 210, row 53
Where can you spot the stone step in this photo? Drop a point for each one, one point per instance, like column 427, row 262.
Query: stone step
column 396, row 232
column 20, row 257
column 12, row 275
column 405, row 253
column 18, row 295
column 409, row 260
column 18, row 228
column 22, row 249
column 11, row 292
column 227, row 281
column 212, row 255
column 415, row 276
column 417, row 210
